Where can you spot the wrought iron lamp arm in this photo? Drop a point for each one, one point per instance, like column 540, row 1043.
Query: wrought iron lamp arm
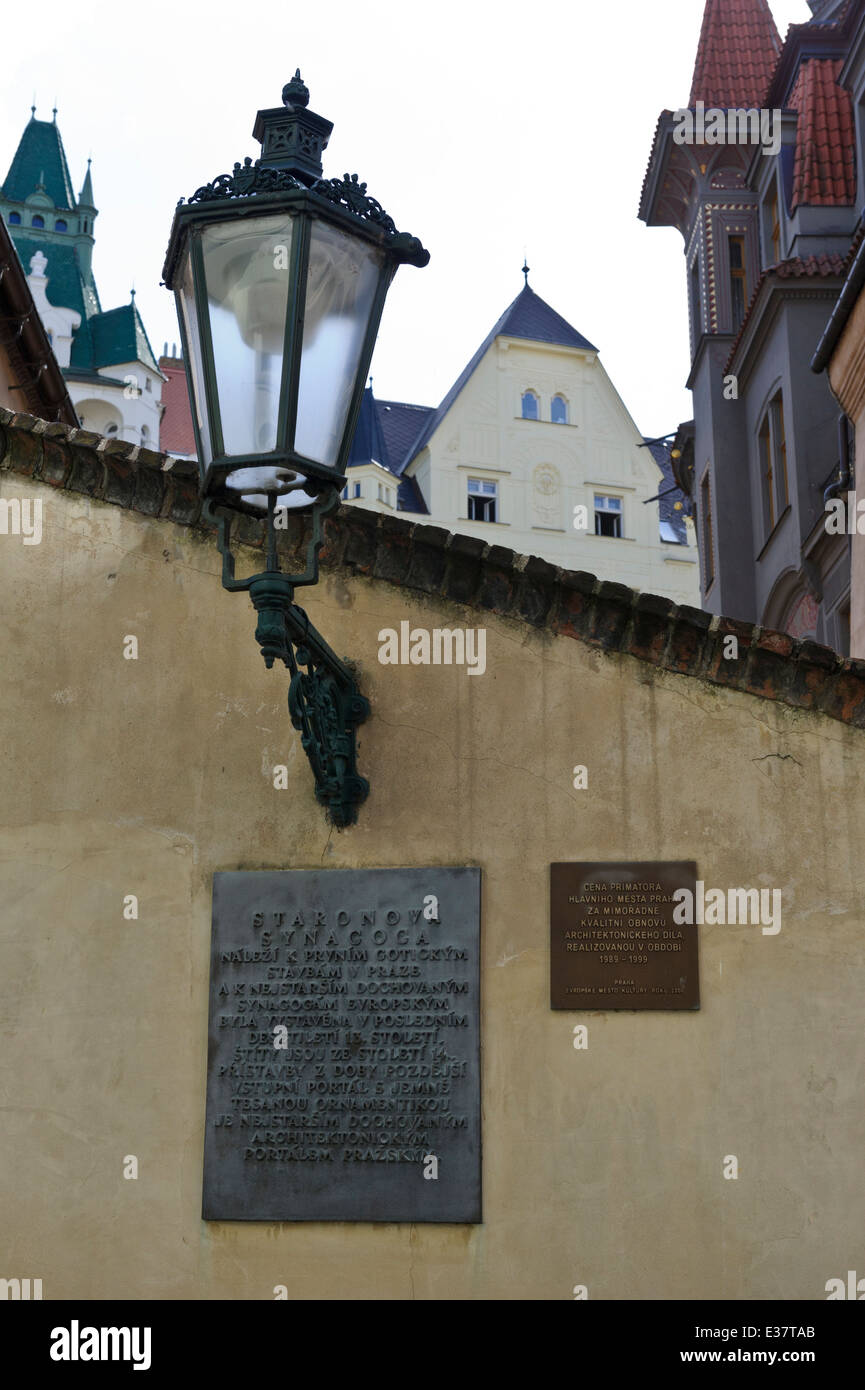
column 324, row 701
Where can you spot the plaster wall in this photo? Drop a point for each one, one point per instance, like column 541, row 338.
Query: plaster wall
column 602, row 1167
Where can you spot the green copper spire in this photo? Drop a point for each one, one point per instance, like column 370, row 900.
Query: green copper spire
column 40, row 155
column 85, row 197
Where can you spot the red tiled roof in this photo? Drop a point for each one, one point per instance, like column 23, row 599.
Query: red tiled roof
column 176, row 435
column 738, row 50
column 796, row 268
column 829, row 263
column 825, row 168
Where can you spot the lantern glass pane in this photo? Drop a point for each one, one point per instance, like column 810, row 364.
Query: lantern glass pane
column 246, row 270
column 186, row 301
column 341, row 285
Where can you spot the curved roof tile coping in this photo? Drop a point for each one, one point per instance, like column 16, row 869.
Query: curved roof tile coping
column 462, row 569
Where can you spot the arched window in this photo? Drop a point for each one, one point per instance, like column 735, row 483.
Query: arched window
column 14, row 219
column 38, row 221
column 60, row 225
column 530, row 406
column 145, row 434
column 112, row 429
column 559, row 411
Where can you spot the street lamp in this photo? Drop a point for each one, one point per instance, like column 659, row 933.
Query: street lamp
column 280, row 278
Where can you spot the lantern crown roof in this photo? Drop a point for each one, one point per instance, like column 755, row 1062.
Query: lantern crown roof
column 293, row 138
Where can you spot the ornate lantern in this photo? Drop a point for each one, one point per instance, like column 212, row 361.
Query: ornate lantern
column 280, row 278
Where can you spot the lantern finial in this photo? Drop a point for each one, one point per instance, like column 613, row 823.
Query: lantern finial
column 295, row 92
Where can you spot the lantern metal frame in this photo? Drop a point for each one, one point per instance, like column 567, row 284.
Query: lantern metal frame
column 325, row 703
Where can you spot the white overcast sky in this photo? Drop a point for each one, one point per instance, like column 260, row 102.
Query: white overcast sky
column 483, row 128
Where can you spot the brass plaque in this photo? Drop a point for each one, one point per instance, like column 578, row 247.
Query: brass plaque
column 614, row 943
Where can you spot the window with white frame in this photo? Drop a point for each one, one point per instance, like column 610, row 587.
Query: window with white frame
column 559, row 410
column 608, row 516
column 483, row 500
column 531, row 406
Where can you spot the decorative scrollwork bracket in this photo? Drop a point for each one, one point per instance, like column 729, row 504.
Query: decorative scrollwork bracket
column 324, row 702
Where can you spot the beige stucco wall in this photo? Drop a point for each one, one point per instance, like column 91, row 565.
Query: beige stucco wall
column 601, row 1167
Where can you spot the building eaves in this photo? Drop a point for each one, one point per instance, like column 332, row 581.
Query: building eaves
column 462, row 570
column 87, row 375
column 653, row 169
column 823, row 267
column 26, row 342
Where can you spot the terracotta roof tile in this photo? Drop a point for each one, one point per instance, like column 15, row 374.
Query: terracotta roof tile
column 176, row 435
column 737, row 53
column 824, row 171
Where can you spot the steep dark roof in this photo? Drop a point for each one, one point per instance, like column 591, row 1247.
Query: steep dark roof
column 369, row 444
column 531, row 317
column 409, row 497
column 400, row 425
column 528, row 316
column 40, row 154
column 119, row 336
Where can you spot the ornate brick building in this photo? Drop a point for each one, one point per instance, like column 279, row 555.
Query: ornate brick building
column 767, row 224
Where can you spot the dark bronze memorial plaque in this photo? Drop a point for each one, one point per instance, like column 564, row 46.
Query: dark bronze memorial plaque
column 614, row 943
column 343, row 1077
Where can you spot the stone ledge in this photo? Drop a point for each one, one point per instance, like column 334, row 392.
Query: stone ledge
column 427, row 559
